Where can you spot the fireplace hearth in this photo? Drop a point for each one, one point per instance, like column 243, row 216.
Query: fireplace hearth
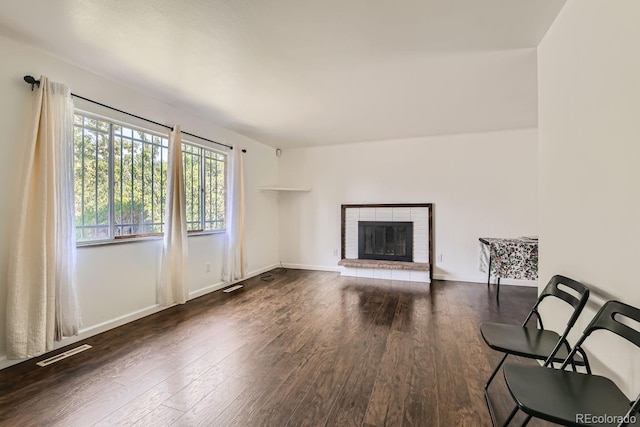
column 385, row 240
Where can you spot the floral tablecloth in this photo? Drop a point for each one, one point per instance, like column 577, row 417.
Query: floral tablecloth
column 515, row 258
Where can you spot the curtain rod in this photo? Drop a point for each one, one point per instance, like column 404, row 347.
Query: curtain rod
column 33, row 82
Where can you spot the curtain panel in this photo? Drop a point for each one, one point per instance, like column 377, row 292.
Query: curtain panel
column 42, row 303
column 173, row 287
column 234, row 265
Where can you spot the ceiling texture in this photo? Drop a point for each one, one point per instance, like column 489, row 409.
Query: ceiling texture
column 294, row 73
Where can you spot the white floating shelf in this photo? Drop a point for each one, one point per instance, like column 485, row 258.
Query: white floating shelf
column 274, row 188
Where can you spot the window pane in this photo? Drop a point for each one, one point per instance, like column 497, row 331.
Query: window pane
column 191, row 157
column 140, row 176
column 91, row 169
column 214, row 190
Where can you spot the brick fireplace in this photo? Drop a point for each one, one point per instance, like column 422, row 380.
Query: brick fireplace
column 389, row 251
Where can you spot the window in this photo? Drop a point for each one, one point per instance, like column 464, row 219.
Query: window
column 204, row 187
column 121, row 178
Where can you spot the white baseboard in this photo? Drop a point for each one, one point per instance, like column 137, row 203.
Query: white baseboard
column 259, row 271
column 475, row 279
column 334, row 268
column 220, row 285
column 133, row 316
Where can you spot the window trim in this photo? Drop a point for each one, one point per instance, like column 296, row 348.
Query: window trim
column 115, row 240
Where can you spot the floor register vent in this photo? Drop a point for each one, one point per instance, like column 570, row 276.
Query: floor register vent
column 64, row 355
column 233, row 288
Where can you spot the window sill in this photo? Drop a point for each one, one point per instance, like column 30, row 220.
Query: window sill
column 93, row 243
column 206, row 233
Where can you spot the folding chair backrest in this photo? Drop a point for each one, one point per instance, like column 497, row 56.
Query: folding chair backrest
column 552, row 289
column 605, row 319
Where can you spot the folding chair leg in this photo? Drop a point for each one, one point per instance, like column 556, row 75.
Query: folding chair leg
column 525, row 422
column 574, row 367
column 587, row 365
column 494, row 421
column 511, row 415
column 495, row 371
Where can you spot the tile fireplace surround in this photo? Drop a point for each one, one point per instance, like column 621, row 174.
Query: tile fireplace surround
column 419, row 214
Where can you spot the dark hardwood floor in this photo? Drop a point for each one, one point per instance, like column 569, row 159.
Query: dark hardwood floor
column 304, row 349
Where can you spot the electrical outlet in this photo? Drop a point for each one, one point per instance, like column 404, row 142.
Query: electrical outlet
column 208, row 267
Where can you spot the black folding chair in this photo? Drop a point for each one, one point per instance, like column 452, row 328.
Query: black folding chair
column 537, row 343
column 573, row 398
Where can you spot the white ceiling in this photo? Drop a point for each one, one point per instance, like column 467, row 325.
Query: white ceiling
column 295, row 72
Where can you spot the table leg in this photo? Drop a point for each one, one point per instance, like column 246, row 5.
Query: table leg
column 489, row 273
column 489, row 282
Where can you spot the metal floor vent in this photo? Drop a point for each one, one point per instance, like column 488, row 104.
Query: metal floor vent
column 233, row 288
column 64, row 355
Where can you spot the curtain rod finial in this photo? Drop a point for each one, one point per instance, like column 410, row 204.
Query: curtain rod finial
column 32, row 81
column 244, row 151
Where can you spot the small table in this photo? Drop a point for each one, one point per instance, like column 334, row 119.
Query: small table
column 514, row 258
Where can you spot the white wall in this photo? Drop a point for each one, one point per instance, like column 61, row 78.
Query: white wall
column 589, row 126
column 481, row 185
column 117, row 282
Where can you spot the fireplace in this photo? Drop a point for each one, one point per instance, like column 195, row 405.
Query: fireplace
column 390, row 254
column 385, row 240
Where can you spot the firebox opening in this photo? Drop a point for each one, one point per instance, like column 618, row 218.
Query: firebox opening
column 385, row 240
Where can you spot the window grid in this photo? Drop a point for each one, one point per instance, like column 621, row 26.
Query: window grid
column 142, row 216
column 192, row 166
column 112, row 214
column 95, row 211
column 91, row 175
column 130, row 167
column 83, row 183
column 214, row 196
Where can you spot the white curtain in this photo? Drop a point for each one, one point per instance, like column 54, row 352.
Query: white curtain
column 173, row 287
column 235, row 263
column 42, row 303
